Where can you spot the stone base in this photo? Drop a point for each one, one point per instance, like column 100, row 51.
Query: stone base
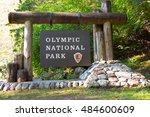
column 100, row 74
column 49, row 84
column 112, row 73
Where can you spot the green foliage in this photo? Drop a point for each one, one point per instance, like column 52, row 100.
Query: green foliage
column 128, row 37
column 27, row 5
column 147, row 76
column 17, row 35
column 134, row 61
column 3, row 71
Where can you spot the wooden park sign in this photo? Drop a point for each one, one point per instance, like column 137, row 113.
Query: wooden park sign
column 102, row 21
column 65, row 48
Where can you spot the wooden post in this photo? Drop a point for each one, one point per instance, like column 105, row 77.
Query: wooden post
column 28, row 48
column 99, row 44
column 107, row 27
column 19, row 59
column 95, row 42
column 22, row 75
column 66, row 18
column 12, row 72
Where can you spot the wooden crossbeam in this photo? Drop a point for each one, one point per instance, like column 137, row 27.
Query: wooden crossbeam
column 66, row 18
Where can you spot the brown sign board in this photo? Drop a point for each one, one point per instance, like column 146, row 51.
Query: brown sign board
column 64, row 48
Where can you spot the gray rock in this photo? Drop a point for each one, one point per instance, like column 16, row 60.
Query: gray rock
column 137, row 76
column 34, row 85
column 117, row 68
column 19, row 86
column 65, row 84
column 144, row 83
column 110, row 62
column 2, row 86
column 98, row 68
column 1, row 82
column 92, row 76
column 47, row 85
column 117, row 64
column 106, row 65
column 106, row 69
column 102, row 62
column 81, row 83
column 110, row 68
column 127, row 69
column 113, row 79
column 6, row 87
column 124, row 84
column 100, row 72
column 41, row 85
column 75, row 84
column 91, row 84
column 13, row 86
column 103, row 83
column 122, row 79
column 114, row 84
column 78, row 71
column 31, row 86
column 92, row 68
column 57, row 85
column 61, row 84
column 102, row 77
column 25, row 86
column 143, row 80
column 133, row 82
column 111, row 74
column 113, row 61
column 85, row 84
column 123, row 74
column 84, row 75
column 52, row 85
column 70, row 84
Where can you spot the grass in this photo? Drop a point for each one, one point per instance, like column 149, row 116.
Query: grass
column 78, row 94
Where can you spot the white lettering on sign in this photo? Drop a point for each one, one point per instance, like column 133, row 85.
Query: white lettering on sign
column 62, row 47
column 56, row 56
column 62, row 39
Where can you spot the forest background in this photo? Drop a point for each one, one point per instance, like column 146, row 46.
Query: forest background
column 131, row 41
